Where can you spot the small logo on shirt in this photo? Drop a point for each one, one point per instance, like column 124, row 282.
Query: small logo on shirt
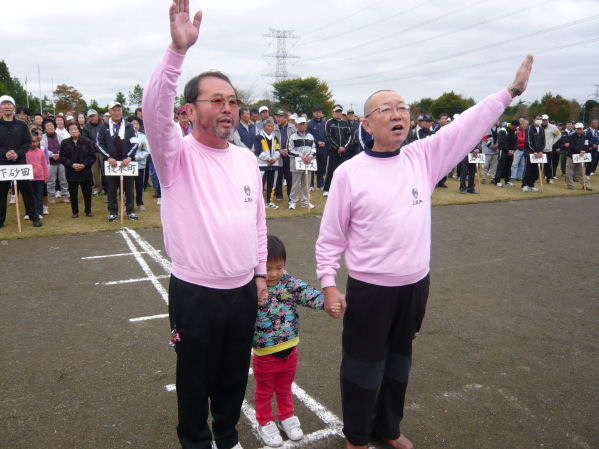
column 415, row 195
column 248, row 194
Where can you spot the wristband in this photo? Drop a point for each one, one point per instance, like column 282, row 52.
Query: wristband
column 263, row 276
column 514, row 90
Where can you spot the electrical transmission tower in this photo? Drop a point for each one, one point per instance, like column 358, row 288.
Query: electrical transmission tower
column 281, row 54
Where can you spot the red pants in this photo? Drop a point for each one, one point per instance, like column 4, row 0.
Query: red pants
column 274, row 375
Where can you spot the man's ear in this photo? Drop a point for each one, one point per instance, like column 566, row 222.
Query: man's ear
column 366, row 126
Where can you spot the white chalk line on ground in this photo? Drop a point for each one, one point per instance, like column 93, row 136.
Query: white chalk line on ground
column 112, row 255
column 151, row 317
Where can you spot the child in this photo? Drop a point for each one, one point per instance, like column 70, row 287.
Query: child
column 37, row 158
column 275, row 340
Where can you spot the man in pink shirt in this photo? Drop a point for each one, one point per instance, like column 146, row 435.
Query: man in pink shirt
column 379, row 214
column 214, row 224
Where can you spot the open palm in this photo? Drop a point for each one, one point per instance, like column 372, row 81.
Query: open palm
column 184, row 32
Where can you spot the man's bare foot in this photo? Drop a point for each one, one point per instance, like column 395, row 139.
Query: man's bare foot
column 348, row 445
column 401, row 443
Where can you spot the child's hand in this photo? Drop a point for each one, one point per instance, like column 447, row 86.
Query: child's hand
column 336, row 308
column 262, row 297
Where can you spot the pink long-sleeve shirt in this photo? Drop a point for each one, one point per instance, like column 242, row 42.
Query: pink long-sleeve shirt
column 212, row 210
column 379, row 208
column 37, row 158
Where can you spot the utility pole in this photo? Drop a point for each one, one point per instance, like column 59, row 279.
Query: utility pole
column 281, row 54
column 39, row 83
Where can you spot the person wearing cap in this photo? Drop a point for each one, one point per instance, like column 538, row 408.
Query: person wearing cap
column 117, row 141
column 301, row 145
column 15, row 142
column 563, row 144
column 90, row 131
column 316, row 127
column 578, row 144
column 552, row 135
column 490, row 149
column 283, row 130
column 264, row 115
column 339, row 136
column 105, row 117
column 183, row 123
column 214, row 224
column 292, row 119
column 592, row 134
column 423, row 128
column 507, row 144
column 354, row 123
column 378, row 215
column 535, row 144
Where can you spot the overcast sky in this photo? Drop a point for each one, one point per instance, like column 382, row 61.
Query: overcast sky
column 419, row 48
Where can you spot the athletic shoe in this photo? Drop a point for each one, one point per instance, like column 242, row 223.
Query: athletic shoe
column 106, row 198
column 26, row 217
column 158, row 201
column 555, row 178
column 570, row 187
column 551, row 181
column 270, row 434
column 37, row 224
column 499, row 184
column 141, row 208
column 292, row 206
column 305, row 205
column 510, row 184
column 45, row 210
column 40, row 216
column 132, row 216
column 89, row 215
column 526, row 189
column 272, row 205
column 75, row 216
column 484, row 181
column 13, row 199
column 237, row 446
column 112, row 217
column 592, row 173
column 52, row 200
column 534, row 189
column 588, row 178
column 291, row 427
column 64, row 199
column 311, row 189
column 324, row 193
column 589, row 189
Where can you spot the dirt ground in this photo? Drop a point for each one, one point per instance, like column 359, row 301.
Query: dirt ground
column 508, row 355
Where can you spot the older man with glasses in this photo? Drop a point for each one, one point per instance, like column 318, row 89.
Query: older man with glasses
column 379, row 214
column 215, row 233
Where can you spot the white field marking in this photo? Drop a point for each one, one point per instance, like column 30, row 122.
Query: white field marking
column 146, row 269
column 170, row 387
column 146, row 318
column 151, row 251
column 130, row 281
column 113, row 255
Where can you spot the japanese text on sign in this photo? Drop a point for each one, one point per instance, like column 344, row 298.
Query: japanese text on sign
column 130, row 170
column 480, row 159
column 16, row 172
column 578, row 159
column 538, row 160
column 301, row 166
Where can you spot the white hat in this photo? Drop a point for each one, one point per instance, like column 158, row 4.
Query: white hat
column 456, row 116
column 300, row 119
column 4, row 98
column 579, row 125
column 263, row 108
column 69, row 117
column 293, row 117
column 545, row 117
column 113, row 104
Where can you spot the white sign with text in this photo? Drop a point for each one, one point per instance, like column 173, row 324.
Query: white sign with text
column 16, row 172
column 538, row 160
column 480, row 159
column 130, row 170
column 301, row 166
column 578, row 159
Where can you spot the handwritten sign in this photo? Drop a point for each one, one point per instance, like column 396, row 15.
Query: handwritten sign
column 301, row 166
column 480, row 159
column 578, row 159
column 130, row 170
column 538, row 160
column 16, row 172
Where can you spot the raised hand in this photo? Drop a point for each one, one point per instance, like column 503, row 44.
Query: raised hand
column 523, row 73
column 184, row 33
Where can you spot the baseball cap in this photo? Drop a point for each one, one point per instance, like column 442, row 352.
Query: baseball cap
column 350, row 111
column 293, row 116
column 106, row 114
column 337, row 107
column 8, row 98
column 92, row 112
column 420, row 118
column 113, row 104
column 69, row 117
column 300, row 119
column 514, row 123
column 263, row 108
column 545, row 117
column 181, row 110
column 428, row 117
column 281, row 113
column 579, row 125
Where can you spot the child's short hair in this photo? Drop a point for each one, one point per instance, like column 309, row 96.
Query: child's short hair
column 276, row 248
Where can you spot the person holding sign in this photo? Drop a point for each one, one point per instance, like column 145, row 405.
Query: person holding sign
column 214, row 224
column 578, row 145
column 379, row 213
column 15, row 141
column 78, row 155
column 301, row 145
column 535, row 144
column 117, row 141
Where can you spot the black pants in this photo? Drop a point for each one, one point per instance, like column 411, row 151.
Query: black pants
column 284, row 172
column 37, row 190
column 467, row 171
column 531, row 172
column 334, row 160
column 112, row 185
column 378, row 328
column 548, row 167
column 216, row 328
column 504, row 167
column 139, row 186
column 268, row 178
column 26, row 191
column 86, row 190
column 321, row 166
column 562, row 163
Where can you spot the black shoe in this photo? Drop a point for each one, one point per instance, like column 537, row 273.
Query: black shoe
column 132, row 216
column 463, row 191
column 112, row 217
column 1, row 225
column 471, row 191
column 37, row 223
column 155, row 195
column 442, row 186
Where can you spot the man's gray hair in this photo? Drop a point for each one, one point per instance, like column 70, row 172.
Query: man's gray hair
column 367, row 102
column 267, row 121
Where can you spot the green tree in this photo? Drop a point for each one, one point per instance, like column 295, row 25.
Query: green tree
column 300, row 94
column 422, row 106
column 11, row 85
column 450, row 103
column 136, row 95
column 589, row 111
column 120, row 97
column 68, row 99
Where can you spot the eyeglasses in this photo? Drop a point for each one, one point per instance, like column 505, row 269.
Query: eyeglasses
column 387, row 109
column 219, row 102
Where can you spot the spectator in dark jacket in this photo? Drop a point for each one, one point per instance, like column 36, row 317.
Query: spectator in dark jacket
column 578, row 144
column 535, row 144
column 316, row 127
column 78, row 154
column 90, row 130
column 338, row 138
column 507, row 144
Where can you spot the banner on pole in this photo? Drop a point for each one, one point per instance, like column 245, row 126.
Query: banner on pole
column 480, row 159
column 16, row 172
column 301, row 166
column 130, row 170
column 538, row 160
column 578, row 159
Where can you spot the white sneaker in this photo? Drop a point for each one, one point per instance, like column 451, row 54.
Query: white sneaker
column 311, row 206
column 525, row 189
column 325, row 193
column 272, row 205
column 292, row 206
column 270, row 434
column 237, row 446
column 533, row 189
column 592, row 173
column 312, row 188
column 499, row 184
column 510, row 184
column 13, row 199
column 26, row 217
column 587, row 178
column 291, row 427
column 45, row 210
column 158, row 201
column 551, row 181
column 40, row 216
